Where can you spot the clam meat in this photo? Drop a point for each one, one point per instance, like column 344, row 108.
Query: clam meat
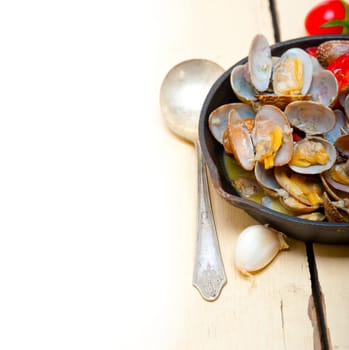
column 292, row 74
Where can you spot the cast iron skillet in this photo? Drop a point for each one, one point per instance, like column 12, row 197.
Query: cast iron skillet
column 222, row 93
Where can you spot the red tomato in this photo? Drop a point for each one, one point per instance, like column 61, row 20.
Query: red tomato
column 340, row 68
column 324, row 12
column 311, row 50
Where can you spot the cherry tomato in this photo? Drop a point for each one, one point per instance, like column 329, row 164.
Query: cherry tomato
column 340, row 68
column 324, row 12
column 311, row 50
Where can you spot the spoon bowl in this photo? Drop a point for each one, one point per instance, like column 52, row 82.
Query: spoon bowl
column 183, row 93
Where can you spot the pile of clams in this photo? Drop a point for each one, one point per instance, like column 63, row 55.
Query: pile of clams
column 290, row 130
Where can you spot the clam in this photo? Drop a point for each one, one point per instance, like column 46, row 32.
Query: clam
column 269, row 141
column 313, row 118
column 266, row 179
column 241, row 84
column 340, row 173
column 317, row 67
column 335, row 211
column 333, row 192
column 272, row 137
column 324, row 87
column 338, row 177
column 237, row 140
column 342, row 145
column 313, row 155
column 295, row 206
column 292, row 74
column 329, row 50
column 260, row 62
column 306, row 189
column 217, row 120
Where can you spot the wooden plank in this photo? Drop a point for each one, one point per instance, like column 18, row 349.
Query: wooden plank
column 272, row 313
column 332, row 261
column 333, row 264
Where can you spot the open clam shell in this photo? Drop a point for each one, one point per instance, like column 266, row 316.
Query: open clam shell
column 218, row 118
column 266, row 179
column 313, row 118
column 241, row 84
column 317, row 67
column 268, row 119
column 306, row 189
column 329, row 50
column 292, row 75
column 335, row 212
column 342, row 145
column 295, row 206
column 324, row 87
column 333, row 192
column 260, row 62
column 338, row 179
column 237, row 140
column 311, row 147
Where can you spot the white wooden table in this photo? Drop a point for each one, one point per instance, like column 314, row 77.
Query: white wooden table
column 98, row 197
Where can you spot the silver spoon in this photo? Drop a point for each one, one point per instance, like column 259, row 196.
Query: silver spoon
column 182, row 95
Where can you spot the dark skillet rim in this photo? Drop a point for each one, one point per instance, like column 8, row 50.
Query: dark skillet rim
column 213, row 164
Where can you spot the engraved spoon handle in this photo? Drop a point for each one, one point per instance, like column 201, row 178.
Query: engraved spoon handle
column 209, row 275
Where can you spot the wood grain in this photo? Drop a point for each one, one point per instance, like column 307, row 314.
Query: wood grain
column 332, row 261
column 272, row 311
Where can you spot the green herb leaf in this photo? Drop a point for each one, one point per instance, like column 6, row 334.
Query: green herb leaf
column 335, row 23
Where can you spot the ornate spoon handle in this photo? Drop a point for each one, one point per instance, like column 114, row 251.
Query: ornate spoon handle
column 209, row 275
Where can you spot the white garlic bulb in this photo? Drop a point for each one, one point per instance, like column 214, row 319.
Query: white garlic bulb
column 256, row 247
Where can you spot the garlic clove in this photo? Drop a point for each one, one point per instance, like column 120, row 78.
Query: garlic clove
column 256, row 247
